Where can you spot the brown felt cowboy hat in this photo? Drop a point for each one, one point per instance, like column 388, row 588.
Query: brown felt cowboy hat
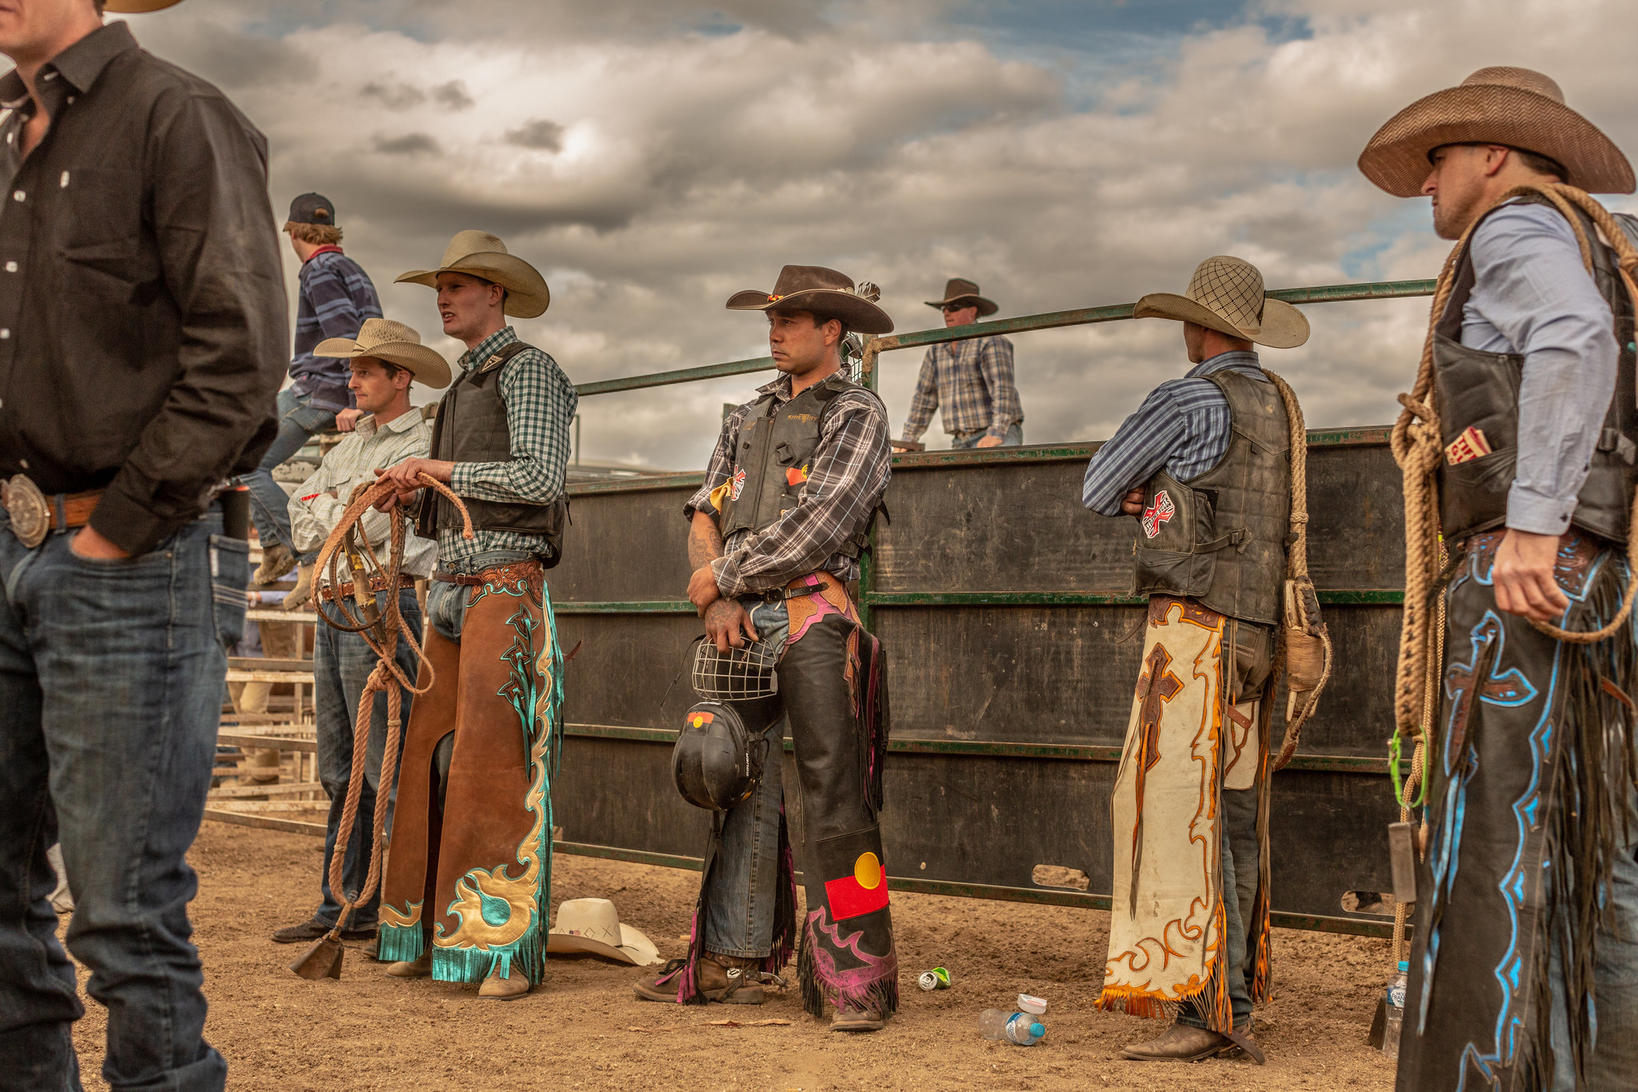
column 961, row 290
column 482, row 255
column 133, row 7
column 393, row 342
column 1501, row 105
column 1226, row 294
column 823, row 291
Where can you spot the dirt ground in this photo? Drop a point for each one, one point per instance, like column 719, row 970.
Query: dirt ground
column 584, row 1029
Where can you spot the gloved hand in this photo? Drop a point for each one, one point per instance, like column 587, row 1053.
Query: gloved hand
column 302, row 594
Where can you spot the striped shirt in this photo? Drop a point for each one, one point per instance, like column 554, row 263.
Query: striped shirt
column 318, row 502
column 540, row 405
column 973, row 381
column 336, row 296
column 844, row 488
column 1182, row 427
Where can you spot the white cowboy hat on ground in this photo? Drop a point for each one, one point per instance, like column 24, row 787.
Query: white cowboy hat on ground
column 593, row 927
column 482, row 255
column 384, row 339
column 1226, row 294
column 1517, row 107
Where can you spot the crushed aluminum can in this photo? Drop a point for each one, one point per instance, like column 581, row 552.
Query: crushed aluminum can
column 936, row 979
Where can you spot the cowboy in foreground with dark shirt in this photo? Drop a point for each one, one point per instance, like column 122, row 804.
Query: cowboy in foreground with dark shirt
column 142, row 338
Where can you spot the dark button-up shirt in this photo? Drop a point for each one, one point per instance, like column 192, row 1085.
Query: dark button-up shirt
column 143, row 326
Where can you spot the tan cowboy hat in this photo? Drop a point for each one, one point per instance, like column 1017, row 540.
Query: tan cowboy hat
column 593, row 926
column 133, row 7
column 482, row 255
column 393, row 342
column 1226, row 294
column 1501, row 105
column 961, row 290
column 822, row 291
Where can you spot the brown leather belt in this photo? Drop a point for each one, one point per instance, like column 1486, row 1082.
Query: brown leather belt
column 34, row 515
column 512, row 570
column 802, row 585
column 378, row 584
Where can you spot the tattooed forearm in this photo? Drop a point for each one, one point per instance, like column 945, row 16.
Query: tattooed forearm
column 704, row 540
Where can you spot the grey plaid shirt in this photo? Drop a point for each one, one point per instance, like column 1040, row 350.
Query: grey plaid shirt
column 845, row 485
column 540, row 405
column 973, row 381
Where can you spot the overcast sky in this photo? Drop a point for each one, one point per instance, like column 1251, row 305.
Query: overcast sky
column 653, row 157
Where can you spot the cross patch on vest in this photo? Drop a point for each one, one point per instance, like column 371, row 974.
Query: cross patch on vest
column 1158, row 513
column 737, row 483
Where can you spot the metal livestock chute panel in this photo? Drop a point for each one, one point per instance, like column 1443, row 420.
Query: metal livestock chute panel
column 1013, row 643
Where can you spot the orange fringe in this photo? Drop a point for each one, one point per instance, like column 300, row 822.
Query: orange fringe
column 1134, row 1002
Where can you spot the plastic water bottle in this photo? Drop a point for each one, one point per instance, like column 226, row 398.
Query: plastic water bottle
column 1395, row 1010
column 1018, row 1028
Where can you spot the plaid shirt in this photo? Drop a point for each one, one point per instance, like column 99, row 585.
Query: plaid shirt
column 844, row 488
column 336, row 297
column 540, row 405
column 1181, row 427
column 973, row 381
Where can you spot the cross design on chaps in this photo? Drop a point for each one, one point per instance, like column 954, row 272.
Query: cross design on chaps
column 1507, row 688
column 1157, row 685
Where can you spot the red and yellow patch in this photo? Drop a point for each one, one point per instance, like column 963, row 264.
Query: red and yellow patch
column 699, row 719
column 796, row 475
column 861, row 893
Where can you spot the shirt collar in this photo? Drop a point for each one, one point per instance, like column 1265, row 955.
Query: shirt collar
column 1234, row 358
column 487, row 348
column 326, row 249
column 780, row 388
column 405, row 421
column 80, row 64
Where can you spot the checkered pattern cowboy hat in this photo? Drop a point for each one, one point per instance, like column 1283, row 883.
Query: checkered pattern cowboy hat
column 823, row 291
column 482, row 255
column 395, row 343
column 1501, row 105
column 1226, row 294
column 961, row 290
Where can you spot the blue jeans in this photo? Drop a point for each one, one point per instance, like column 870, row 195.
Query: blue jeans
column 1613, row 1060
column 269, row 503
column 342, row 663
column 110, row 689
column 739, row 913
column 1013, row 438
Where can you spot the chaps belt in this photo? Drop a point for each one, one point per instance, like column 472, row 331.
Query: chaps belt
column 802, row 585
column 377, row 583
column 512, row 570
column 34, row 515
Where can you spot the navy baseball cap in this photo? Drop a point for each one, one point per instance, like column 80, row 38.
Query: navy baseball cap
column 312, row 208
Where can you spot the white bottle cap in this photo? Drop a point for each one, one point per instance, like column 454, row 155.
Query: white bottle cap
column 1035, row 1006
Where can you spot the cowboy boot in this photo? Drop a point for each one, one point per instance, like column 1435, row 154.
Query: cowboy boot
column 1186, row 1043
column 276, row 561
column 504, row 988
column 302, row 594
column 420, row 967
column 730, row 980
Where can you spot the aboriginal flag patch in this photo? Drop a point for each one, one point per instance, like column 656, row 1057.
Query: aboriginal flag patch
column 864, row 892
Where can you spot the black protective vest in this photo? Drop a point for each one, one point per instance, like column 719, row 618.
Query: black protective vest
column 1481, row 390
column 1220, row 538
column 774, row 456
column 471, row 428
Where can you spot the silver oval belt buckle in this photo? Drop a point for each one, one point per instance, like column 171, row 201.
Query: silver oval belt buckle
column 26, row 505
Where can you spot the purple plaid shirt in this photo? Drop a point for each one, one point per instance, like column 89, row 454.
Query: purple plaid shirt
column 336, row 297
column 973, row 381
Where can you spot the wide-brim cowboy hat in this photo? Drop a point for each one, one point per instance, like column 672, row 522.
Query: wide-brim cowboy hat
column 961, row 290
column 395, row 343
column 482, row 255
column 1226, row 294
column 824, row 292
column 593, row 927
column 135, row 7
column 1501, row 105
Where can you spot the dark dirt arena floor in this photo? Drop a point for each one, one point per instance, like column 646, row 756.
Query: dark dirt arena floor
column 584, row 1029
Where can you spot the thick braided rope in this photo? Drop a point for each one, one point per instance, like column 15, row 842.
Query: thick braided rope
column 1296, row 565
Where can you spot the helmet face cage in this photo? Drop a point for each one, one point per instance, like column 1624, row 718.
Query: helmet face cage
column 740, row 674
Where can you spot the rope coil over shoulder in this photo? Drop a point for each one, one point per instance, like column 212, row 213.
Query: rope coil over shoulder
column 381, row 630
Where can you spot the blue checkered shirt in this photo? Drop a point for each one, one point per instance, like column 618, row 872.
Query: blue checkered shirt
column 540, row 404
column 1182, row 427
column 336, row 297
column 973, row 381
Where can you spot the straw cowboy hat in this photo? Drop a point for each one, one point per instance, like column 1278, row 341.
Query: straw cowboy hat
column 482, row 255
column 961, row 290
column 824, row 292
column 393, row 342
column 593, row 926
column 1226, row 294
column 133, row 7
column 1501, row 105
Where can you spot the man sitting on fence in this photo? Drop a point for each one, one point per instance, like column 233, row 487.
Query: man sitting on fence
column 386, row 357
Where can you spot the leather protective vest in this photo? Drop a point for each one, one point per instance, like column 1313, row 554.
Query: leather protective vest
column 1481, row 390
column 774, row 457
column 471, row 428
column 1220, row 538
